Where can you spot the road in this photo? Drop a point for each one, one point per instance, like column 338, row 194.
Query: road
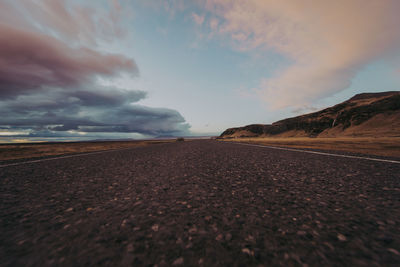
column 200, row 203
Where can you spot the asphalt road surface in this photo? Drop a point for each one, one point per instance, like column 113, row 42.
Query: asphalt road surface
column 200, row 203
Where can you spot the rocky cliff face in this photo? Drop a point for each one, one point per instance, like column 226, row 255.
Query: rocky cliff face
column 362, row 115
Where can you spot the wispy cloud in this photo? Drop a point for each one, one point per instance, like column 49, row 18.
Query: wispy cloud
column 74, row 23
column 198, row 19
column 328, row 42
column 171, row 7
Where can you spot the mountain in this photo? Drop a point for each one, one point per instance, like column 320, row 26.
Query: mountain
column 367, row 114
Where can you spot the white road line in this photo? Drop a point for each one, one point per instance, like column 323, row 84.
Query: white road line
column 64, row 157
column 320, row 153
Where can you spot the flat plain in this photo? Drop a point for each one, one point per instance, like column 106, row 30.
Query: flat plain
column 17, row 151
column 200, row 203
column 380, row 146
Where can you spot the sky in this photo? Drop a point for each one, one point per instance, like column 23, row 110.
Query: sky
column 109, row 69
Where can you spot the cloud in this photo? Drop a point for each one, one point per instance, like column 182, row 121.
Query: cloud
column 214, row 24
column 171, row 7
column 198, row 19
column 49, row 77
column 304, row 109
column 107, row 109
column 327, row 42
column 31, row 60
column 64, row 20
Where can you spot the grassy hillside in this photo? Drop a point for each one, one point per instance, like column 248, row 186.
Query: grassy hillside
column 364, row 115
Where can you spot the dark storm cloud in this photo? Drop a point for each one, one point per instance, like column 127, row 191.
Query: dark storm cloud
column 111, row 96
column 48, row 75
column 141, row 119
column 56, row 99
column 107, row 110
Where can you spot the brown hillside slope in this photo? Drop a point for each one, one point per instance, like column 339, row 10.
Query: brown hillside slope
column 364, row 115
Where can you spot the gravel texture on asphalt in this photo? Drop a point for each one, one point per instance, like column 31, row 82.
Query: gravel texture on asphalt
column 200, row 203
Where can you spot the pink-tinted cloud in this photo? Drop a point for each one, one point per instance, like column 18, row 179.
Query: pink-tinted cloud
column 327, row 41
column 44, row 44
column 214, row 24
column 31, row 60
column 198, row 19
column 64, row 20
